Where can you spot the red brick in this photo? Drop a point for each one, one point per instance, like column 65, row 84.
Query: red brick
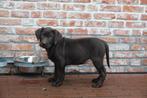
column 20, row 14
column 144, row 61
column 116, row 24
column 48, row 6
column 47, row 22
column 74, row 7
column 4, row 46
column 53, row 14
column 78, row 31
column 132, row 9
column 79, row 15
column 121, row 32
column 28, row 39
column 128, row 16
column 22, row 47
column 71, row 23
column 25, row 5
column 110, row 39
column 10, row 21
column 110, row 8
column 145, row 32
column 82, row 1
column 136, row 47
column 143, row 2
column 95, row 24
column 4, row 13
column 35, row 14
column 128, row 1
column 143, row 17
column 104, row 16
column 21, row 30
column 135, row 24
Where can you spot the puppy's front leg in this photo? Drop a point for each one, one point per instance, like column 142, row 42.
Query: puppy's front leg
column 59, row 74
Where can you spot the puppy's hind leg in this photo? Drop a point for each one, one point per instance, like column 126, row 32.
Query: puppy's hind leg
column 98, row 63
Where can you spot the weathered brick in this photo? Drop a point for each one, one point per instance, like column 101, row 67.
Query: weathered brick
column 28, row 22
column 27, row 30
column 136, row 47
column 71, row 23
column 106, row 16
column 135, row 24
column 144, row 61
column 119, row 62
column 121, row 32
column 82, row 1
column 128, row 16
column 110, row 8
column 47, row 22
column 8, row 5
column 36, row 14
column 136, row 33
column 144, row 40
column 8, row 38
column 116, row 24
column 119, row 46
column 48, row 6
column 143, row 2
column 132, row 9
column 25, row 5
column 144, row 17
column 108, row 1
column 53, row 14
column 99, row 32
column 95, row 24
column 135, row 69
column 6, row 30
column 22, row 47
column 91, row 8
column 128, row 1
column 123, row 54
column 74, row 7
column 10, row 21
column 79, row 15
column 127, row 40
column 4, row 46
column 110, row 39
column 4, row 13
column 78, row 31
column 28, row 39
column 145, row 32
column 20, row 14
column 135, row 62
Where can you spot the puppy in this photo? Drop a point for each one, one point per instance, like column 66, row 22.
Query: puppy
column 64, row 51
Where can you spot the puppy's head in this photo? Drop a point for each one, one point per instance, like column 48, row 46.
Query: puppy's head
column 47, row 37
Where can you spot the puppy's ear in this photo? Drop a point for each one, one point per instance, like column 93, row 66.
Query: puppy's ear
column 57, row 36
column 38, row 33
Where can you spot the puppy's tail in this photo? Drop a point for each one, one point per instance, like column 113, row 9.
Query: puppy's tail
column 107, row 54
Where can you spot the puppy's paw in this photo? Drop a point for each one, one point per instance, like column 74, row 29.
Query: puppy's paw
column 97, row 85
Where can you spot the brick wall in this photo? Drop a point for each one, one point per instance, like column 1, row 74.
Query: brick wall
column 122, row 23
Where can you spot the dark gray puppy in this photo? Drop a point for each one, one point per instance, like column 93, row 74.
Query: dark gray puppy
column 64, row 51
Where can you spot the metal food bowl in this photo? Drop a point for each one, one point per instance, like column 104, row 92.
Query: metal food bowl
column 30, row 63
column 3, row 62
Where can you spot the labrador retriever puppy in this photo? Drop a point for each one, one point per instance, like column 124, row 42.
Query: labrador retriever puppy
column 64, row 51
